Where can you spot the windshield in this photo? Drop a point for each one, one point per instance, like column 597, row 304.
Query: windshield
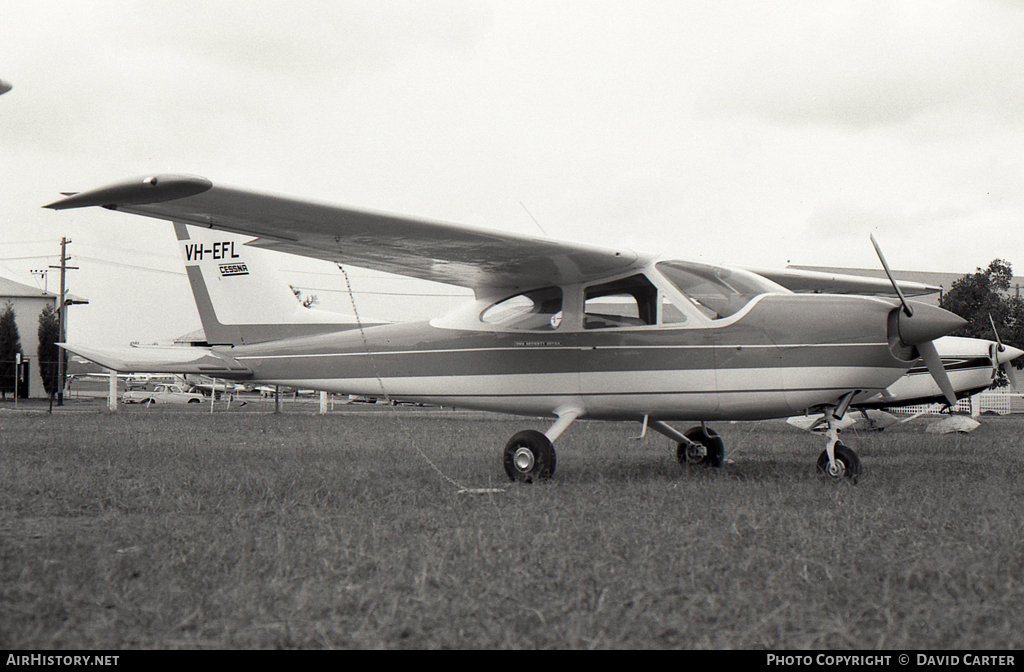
column 717, row 291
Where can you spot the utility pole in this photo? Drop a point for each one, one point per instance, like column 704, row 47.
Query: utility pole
column 62, row 320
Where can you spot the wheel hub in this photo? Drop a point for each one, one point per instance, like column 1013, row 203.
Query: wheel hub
column 524, row 460
column 695, row 452
column 836, row 469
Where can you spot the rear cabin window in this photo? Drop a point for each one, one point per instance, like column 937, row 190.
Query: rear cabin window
column 536, row 310
column 629, row 302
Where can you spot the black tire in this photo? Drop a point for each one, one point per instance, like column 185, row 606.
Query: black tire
column 714, row 448
column 847, row 464
column 529, row 456
column 193, row 401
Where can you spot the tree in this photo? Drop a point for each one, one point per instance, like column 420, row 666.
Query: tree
column 10, row 348
column 49, row 353
column 977, row 297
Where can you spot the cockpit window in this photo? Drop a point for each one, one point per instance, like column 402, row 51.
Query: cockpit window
column 716, row 291
column 537, row 310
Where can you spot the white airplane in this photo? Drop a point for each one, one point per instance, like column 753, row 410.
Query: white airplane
column 556, row 329
column 972, row 365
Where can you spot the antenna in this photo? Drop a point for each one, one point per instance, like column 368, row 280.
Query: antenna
column 535, row 220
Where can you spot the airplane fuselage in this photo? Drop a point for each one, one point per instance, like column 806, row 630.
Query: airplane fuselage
column 781, row 355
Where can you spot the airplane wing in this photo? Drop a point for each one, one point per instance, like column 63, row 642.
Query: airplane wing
column 163, row 360
column 805, row 282
column 446, row 253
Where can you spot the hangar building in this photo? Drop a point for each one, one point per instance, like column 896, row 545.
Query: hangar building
column 28, row 302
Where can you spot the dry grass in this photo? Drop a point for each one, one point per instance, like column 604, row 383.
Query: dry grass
column 175, row 529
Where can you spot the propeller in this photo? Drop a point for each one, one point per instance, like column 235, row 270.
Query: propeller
column 1004, row 356
column 907, row 310
column 921, row 331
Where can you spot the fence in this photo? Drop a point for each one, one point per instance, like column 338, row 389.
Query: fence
column 1000, row 402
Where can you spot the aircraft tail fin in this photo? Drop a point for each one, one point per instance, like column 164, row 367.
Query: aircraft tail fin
column 240, row 298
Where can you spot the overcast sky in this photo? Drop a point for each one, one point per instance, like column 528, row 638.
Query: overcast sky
column 751, row 133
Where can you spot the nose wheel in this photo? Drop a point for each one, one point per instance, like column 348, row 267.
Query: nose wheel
column 845, row 465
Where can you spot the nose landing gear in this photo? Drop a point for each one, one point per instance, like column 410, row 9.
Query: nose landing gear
column 837, row 461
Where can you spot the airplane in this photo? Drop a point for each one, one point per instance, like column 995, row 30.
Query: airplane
column 4, row 87
column 208, row 385
column 555, row 329
column 972, row 364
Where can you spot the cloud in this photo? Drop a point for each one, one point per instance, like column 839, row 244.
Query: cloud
column 871, row 63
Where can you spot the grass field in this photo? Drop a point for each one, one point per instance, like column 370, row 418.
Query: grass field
column 174, row 529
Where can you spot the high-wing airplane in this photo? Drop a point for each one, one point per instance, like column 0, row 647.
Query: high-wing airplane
column 556, row 329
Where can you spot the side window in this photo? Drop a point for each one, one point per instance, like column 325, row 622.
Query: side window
column 537, row 310
column 628, row 302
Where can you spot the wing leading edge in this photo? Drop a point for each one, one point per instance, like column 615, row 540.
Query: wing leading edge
column 436, row 251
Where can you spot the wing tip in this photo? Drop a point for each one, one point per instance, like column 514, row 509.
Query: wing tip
column 135, row 191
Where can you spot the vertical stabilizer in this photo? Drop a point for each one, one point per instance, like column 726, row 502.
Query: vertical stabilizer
column 240, row 297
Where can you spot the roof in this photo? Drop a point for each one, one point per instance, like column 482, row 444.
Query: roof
column 11, row 289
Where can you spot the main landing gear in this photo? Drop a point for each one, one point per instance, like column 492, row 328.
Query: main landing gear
column 699, row 446
column 705, row 448
column 530, row 455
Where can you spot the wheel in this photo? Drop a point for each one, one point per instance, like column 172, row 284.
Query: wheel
column 847, row 464
column 529, row 456
column 709, row 451
column 193, row 401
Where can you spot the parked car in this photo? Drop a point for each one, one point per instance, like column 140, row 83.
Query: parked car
column 162, row 394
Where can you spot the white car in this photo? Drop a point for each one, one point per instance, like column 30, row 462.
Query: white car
column 161, row 394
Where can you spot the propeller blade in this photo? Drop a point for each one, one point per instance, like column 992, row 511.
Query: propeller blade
column 1003, row 359
column 1011, row 375
column 934, row 363
column 995, row 331
column 907, row 310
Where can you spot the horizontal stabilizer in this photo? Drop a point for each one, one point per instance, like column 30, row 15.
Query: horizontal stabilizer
column 163, row 360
